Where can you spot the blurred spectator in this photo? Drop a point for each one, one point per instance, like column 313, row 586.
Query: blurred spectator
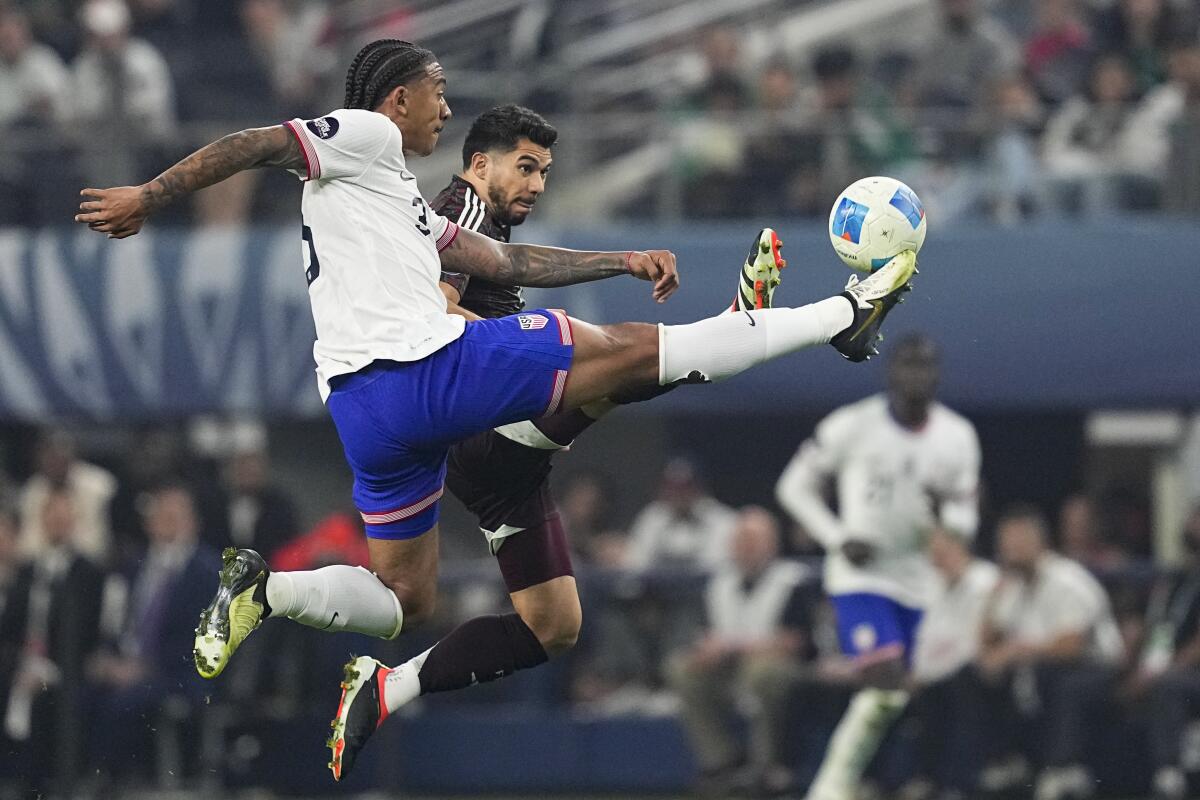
column 9, row 650
column 33, row 79
column 585, row 505
column 685, row 526
column 1050, row 653
column 710, row 148
column 1142, row 31
column 720, row 60
column 970, row 50
column 1058, row 52
column 258, row 513
column 1014, row 185
column 52, row 621
column 122, row 97
column 1181, row 192
column 152, row 454
column 757, row 637
column 150, row 659
column 1092, row 148
column 846, row 134
column 285, row 37
column 1166, row 675
column 1080, row 539
column 91, row 489
column 949, row 751
column 36, row 179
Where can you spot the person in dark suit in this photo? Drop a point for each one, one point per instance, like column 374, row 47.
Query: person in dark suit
column 256, row 513
column 149, row 660
column 51, row 622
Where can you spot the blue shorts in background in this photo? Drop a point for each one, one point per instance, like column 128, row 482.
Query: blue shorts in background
column 397, row 419
column 872, row 627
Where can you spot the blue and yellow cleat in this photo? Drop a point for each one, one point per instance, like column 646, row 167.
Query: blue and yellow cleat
column 872, row 299
column 760, row 273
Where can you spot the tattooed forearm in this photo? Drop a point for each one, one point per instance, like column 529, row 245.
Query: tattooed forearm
column 248, row 149
column 528, row 265
column 553, row 266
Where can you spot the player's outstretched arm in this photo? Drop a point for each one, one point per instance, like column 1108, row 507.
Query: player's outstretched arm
column 533, row 265
column 121, row 211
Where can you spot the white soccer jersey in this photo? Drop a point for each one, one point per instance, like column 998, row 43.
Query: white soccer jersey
column 887, row 477
column 371, row 247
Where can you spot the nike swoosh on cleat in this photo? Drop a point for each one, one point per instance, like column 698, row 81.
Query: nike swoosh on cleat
column 749, row 317
column 332, row 620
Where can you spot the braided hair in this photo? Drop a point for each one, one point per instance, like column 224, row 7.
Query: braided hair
column 380, row 67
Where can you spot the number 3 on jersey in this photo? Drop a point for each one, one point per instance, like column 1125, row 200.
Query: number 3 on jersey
column 422, row 218
column 312, row 267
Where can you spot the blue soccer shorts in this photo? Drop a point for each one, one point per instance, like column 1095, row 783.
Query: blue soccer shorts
column 397, row 420
column 873, row 628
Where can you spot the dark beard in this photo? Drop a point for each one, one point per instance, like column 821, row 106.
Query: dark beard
column 500, row 208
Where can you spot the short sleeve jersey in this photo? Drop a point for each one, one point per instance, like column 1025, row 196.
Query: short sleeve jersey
column 370, row 247
column 886, row 476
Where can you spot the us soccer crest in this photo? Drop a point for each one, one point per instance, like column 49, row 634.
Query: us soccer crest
column 532, row 322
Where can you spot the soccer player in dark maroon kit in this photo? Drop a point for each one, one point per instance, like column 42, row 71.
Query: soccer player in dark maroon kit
column 501, row 476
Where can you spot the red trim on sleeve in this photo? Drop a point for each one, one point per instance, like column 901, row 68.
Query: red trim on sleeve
column 311, row 162
column 448, row 236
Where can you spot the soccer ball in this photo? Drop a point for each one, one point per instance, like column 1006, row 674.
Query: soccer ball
column 874, row 220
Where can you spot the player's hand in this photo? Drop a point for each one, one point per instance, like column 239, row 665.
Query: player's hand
column 119, row 212
column 657, row 266
column 858, row 552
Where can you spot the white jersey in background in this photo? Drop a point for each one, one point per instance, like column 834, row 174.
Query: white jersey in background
column 886, row 477
column 371, row 247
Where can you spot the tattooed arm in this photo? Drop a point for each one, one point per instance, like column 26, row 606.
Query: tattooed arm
column 121, row 211
column 532, row 265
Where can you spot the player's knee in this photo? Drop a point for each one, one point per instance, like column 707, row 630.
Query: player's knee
column 418, row 598
column 637, row 342
column 557, row 630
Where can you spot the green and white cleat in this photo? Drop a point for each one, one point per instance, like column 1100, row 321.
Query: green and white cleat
column 872, row 299
column 237, row 609
column 760, row 273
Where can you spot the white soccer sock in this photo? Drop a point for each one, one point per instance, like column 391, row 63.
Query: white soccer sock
column 854, row 742
column 336, row 598
column 725, row 345
column 403, row 683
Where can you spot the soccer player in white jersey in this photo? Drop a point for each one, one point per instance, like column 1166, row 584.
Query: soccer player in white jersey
column 403, row 380
column 902, row 464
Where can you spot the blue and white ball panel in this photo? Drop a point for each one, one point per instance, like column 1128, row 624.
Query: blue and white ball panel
column 906, row 202
column 848, row 220
column 872, row 627
column 397, row 420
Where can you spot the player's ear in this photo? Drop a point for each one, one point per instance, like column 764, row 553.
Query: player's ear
column 397, row 99
column 480, row 166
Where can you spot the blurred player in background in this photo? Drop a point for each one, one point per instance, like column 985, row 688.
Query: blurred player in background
column 903, row 464
column 404, row 380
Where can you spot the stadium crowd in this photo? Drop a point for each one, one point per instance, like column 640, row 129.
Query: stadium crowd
column 1008, row 108
column 697, row 610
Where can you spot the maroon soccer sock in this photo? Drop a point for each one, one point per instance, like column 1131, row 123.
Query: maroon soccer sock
column 563, row 428
column 481, row 650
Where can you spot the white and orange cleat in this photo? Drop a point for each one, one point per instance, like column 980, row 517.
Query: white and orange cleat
column 760, row 273
column 361, row 710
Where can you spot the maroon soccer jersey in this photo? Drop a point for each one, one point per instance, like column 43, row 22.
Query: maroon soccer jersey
column 460, row 203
